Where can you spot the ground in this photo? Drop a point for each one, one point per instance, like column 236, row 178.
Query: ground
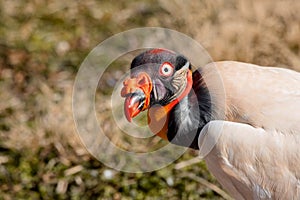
column 42, row 44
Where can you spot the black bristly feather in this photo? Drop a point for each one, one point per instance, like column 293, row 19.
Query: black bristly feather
column 180, row 62
column 190, row 115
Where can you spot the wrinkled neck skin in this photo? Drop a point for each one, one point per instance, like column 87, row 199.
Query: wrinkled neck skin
column 190, row 115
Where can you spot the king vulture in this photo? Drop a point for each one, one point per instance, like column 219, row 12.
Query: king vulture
column 252, row 121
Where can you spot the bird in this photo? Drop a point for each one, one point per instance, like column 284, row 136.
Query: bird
column 246, row 117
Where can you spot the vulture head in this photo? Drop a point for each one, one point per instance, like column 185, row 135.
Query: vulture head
column 159, row 81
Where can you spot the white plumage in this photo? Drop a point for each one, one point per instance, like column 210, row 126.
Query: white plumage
column 257, row 153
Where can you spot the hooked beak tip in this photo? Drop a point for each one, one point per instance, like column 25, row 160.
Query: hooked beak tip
column 133, row 105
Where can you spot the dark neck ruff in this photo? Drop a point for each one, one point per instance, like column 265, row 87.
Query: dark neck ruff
column 190, row 115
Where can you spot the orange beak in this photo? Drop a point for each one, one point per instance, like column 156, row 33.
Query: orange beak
column 136, row 92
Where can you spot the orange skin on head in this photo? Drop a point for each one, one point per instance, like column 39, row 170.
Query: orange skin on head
column 158, row 116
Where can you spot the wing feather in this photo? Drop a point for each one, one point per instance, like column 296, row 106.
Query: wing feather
column 265, row 97
column 252, row 163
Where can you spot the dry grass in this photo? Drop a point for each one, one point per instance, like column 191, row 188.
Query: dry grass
column 41, row 47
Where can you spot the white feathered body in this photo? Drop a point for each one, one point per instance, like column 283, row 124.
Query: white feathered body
column 257, row 154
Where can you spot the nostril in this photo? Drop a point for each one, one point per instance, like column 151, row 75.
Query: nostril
column 142, row 80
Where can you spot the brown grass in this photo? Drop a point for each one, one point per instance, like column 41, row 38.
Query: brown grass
column 41, row 47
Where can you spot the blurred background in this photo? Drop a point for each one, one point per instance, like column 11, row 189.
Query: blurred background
column 42, row 44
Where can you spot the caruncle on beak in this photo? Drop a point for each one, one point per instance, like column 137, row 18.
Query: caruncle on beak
column 136, row 92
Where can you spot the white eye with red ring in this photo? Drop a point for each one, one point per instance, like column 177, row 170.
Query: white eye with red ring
column 166, row 69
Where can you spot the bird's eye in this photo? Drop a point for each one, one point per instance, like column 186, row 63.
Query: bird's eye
column 166, row 69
